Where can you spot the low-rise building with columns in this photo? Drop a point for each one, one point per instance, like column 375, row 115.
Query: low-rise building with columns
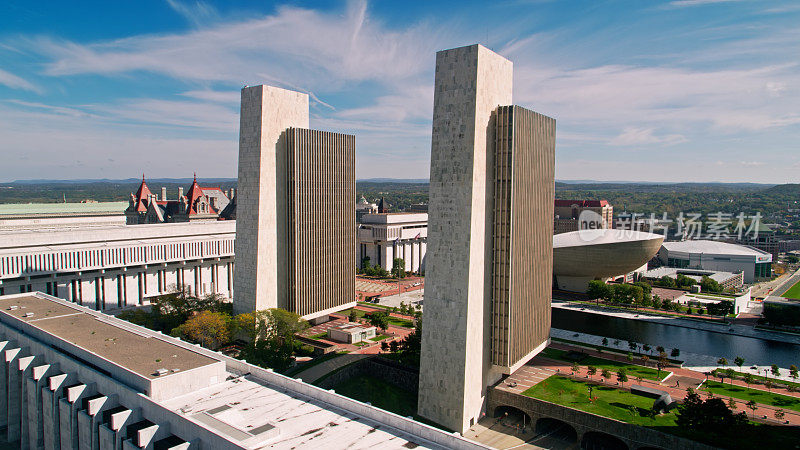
column 385, row 236
column 118, row 266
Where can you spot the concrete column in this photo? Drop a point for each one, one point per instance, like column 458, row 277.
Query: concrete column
column 34, row 416
column 113, row 431
column 13, row 391
column 68, row 407
column 4, row 346
column 423, row 250
column 110, row 291
column 18, row 400
column 89, row 420
column 50, row 396
column 141, row 434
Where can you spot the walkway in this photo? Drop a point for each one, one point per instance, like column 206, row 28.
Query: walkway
column 313, row 374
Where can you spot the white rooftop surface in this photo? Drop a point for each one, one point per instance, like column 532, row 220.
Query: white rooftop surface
column 302, row 423
column 696, row 274
column 712, row 247
column 600, row 237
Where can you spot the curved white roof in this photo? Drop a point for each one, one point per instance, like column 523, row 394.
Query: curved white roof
column 601, row 236
column 713, row 247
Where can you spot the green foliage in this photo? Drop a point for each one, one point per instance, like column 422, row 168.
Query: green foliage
column 271, row 334
column 666, row 281
column 598, row 289
column 709, row 416
column 399, row 268
column 684, row 282
column 709, row 285
column 379, row 319
column 781, row 314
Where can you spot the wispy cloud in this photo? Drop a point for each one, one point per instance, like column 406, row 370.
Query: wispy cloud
column 643, row 136
column 683, row 3
column 14, row 82
column 197, row 12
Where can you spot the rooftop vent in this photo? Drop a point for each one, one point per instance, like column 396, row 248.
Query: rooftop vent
column 13, row 307
column 161, row 372
column 28, row 314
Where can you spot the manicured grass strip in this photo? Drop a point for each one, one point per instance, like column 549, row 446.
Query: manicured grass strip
column 396, row 321
column 614, row 350
column 743, row 393
column 318, row 336
column 379, row 337
column 614, row 366
column 793, row 292
column 380, row 393
column 761, row 379
column 611, row 402
column 645, row 312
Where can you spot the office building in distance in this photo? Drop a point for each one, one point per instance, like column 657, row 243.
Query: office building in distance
column 574, row 215
column 295, row 218
column 754, row 264
column 489, row 268
column 382, row 237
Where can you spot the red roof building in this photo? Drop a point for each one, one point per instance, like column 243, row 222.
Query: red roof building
column 199, row 204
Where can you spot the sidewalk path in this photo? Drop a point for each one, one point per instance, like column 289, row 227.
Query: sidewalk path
column 315, row 373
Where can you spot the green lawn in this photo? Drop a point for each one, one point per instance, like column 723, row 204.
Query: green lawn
column 379, row 337
column 616, row 404
column 396, row 321
column 318, row 336
column 611, row 402
column 793, row 292
column 759, row 378
column 632, row 369
column 380, row 393
column 743, row 393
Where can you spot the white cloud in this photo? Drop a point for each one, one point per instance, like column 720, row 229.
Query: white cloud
column 642, row 136
column 14, row 82
column 230, row 97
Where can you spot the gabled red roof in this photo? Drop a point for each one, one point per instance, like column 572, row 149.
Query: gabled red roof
column 582, row 203
column 141, row 196
column 195, row 192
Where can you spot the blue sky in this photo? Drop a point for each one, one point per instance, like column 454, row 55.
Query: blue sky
column 685, row 90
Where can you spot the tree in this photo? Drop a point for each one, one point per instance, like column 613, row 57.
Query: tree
column 660, row 349
column 646, row 348
column 209, row 329
column 353, row 315
column 676, row 352
column 752, row 405
column 662, row 362
column 271, row 335
column 622, row 376
column 384, row 346
column 793, row 372
column 732, row 403
column 707, row 284
column 709, row 416
column 779, row 414
column 730, row 374
column 379, row 319
column 739, row 361
column 776, row 371
column 605, row 374
column 605, row 342
column 394, row 346
column 645, row 358
column 591, row 370
column 748, row 378
column 629, row 357
column 722, row 362
column 598, row 290
column 667, row 282
column 575, row 367
column 633, row 345
column 398, row 268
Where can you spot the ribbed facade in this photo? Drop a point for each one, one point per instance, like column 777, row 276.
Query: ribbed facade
column 321, row 220
column 522, row 250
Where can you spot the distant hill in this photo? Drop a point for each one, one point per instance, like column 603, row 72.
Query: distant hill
column 393, row 180
column 122, row 181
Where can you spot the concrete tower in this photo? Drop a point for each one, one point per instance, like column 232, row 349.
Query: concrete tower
column 478, row 323
column 261, row 261
column 295, row 215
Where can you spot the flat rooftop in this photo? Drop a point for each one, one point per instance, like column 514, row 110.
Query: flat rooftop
column 696, row 274
column 63, row 209
column 243, row 408
column 125, row 347
column 713, row 247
